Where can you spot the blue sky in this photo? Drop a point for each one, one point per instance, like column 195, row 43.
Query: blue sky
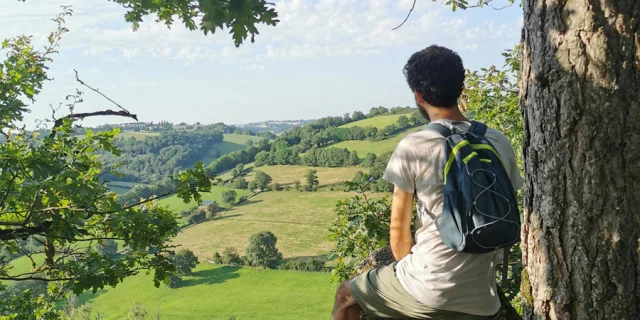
column 325, row 58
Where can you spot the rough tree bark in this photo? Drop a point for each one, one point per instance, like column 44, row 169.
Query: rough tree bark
column 580, row 101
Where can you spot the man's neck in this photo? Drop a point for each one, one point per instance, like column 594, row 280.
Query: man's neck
column 453, row 113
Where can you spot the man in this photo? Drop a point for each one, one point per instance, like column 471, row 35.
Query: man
column 428, row 280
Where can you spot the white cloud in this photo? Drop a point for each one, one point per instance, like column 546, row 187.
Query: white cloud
column 307, row 30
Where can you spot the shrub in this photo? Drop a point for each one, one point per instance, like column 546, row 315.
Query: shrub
column 173, row 281
column 307, row 265
column 276, row 186
column 262, row 250
column 229, row 196
column 231, row 257
column 197, row 216
column 240, row 183
column 217, row 258
column 108, row 248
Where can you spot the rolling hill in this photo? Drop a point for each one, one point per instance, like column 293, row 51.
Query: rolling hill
column 377, row 147
column 377, row 121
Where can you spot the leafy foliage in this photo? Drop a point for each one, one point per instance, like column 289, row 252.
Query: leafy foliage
column 239, row 16
column 361, row 226
column 262, row 250
column 51, row 186
column 262, row 180
column 229, row 196
column 231, row 257
column 312, row 180
column 306, row 265
column 185, row 261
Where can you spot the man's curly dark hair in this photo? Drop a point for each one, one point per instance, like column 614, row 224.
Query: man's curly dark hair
column 437, row 74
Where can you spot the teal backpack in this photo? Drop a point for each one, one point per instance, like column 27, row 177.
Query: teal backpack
column 480, row 212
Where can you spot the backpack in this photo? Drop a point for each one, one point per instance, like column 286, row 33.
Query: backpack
column 480, row 212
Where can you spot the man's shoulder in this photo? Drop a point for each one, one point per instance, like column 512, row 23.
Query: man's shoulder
column 422, row 136
column 497, row 136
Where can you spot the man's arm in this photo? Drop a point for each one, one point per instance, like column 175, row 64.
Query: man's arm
column 400, row 232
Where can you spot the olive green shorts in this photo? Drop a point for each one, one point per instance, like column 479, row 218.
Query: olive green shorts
column 380, row 295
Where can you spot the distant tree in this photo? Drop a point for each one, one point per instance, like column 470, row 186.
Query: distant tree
column 240, row 169
column 276, row 186
column 358, row 177
column 346, row 118
column 403, row 122
column 417, row 119
column 137, row 312
column 211, row 210
column 108, row 248
column 217, row 258
column 234, row 173
column 312, row 180
column 185, row 261
column 231, row 257
column 249, row 143
column 229, row 196
column 370, row 160
column 262, row 158
column 262, row 180
column 380, row 165
column 358, row 115
column 353, row 158
column 384, row 186
column 240, row 183
column 196, row 216
column 297, row 184
column 262, row 250
column 253, row 185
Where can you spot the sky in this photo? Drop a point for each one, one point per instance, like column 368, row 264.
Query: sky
column 324, row 58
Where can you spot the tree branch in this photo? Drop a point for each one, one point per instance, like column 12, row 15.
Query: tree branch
column 407, row 18
column 80, row 116
column 100, row 93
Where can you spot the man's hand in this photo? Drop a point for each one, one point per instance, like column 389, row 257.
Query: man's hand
column 401, row 214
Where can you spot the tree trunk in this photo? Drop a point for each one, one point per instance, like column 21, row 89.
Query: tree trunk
column 580, row 85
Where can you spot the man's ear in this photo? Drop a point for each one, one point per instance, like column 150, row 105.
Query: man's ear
column 418, row 97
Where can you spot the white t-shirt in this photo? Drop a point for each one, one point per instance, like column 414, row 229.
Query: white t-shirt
column 432, row 273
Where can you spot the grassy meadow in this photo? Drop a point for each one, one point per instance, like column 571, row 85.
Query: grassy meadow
column 377, row 147
column 287, row 175
column 214, row 195
column 231, row 143
column 219, row 293
column 300, row 221
column 378, row 121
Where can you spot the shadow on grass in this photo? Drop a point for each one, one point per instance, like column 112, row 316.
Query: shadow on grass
column 211, row 276
column 222, row 217
column 324, row 257
column 247, row 202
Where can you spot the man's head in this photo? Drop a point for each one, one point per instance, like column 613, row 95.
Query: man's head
column 436, row 76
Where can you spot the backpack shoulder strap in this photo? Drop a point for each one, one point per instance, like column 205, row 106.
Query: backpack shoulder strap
column 478, row 128
column 443, row 130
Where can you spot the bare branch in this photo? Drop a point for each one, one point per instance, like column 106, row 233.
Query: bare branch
column 80, row 116
column 100, row 93
column 36, row 278
column 407, row 18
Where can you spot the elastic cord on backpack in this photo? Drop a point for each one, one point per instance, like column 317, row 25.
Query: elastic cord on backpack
column 486, row 215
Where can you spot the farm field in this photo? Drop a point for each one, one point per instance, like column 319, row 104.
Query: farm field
column 287, row 175
column 377, row 147
column 377, row 121
column 220, row 293
column 300, row 221
column 214, row 195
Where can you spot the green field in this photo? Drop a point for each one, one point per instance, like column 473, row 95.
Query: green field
column 377, row 147
column 286, row 175
column 241, row 138
column 214, row 195
column 137, row 135
column 231, row 143
column 219, row 293
column 377, row 121
column 300, row 220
